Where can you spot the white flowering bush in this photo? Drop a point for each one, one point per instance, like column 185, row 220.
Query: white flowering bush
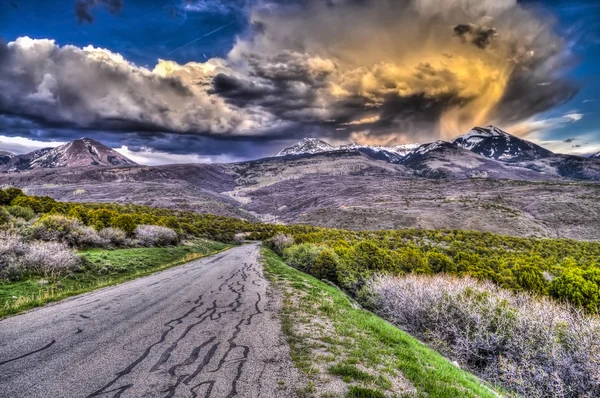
column 58, row 228
column 153, row 235
column 50, row 259
column 532, row 346
column 280, row 242
column 18, row 257
column 114, row 237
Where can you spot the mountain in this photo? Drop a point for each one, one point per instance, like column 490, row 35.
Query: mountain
column 83, row 152
column 595, row 156
column 493, row 143
column 308, row 146
column 312, row 146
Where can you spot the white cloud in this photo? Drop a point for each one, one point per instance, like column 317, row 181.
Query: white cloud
column 21, row 145
column 575, row 117
column 149, row 157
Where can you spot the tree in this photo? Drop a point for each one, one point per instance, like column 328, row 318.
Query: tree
column 326, row 266
column 13, row 193
column 4, row 198
column 125, row 223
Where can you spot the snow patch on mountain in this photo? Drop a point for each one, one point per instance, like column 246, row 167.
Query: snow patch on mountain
column 83, row 152
column 494, row 143
column 308, row 146
column 312, row 146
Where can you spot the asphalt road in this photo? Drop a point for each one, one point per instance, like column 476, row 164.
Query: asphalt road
column 204, row 329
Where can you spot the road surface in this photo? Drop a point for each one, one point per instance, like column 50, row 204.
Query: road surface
column 204, row 329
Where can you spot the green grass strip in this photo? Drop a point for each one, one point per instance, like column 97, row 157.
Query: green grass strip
column 373, row 339
column 101, row 268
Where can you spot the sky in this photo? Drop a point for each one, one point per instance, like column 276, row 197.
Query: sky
column 177, row 81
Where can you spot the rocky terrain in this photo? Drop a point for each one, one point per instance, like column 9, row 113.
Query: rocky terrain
column 437, row 185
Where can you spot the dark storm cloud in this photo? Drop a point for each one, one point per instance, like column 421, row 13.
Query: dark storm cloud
column 309, row 67
column 477, row 35
column 83, row 8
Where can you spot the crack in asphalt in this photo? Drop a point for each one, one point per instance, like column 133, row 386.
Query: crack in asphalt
column 215, row 345
column 50, row 344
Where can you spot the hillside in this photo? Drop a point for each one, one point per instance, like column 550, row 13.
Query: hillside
column 342, row 189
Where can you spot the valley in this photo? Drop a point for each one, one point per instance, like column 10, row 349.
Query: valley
column 435, row 186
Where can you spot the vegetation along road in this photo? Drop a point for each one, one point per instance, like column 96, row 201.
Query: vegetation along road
column 204, row 329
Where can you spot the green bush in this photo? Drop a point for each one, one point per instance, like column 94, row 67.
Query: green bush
column 326, row 265
column 12, row 194
column 25, row 213
column 4, row 216
column 125, row 223
column 302, row 256
column 4, row 198
column 581, row 288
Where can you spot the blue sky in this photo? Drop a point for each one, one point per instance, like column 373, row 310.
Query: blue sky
column 183, row 31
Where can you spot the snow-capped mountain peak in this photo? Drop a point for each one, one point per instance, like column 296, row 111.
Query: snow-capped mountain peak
column 477, row 135
column 495, row 143
column 82, row 152
column 595, row 156
column 309, row 146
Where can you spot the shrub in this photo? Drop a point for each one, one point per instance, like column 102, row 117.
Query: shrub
column 21, row 212
column 581, row 288
column 533, row 346
column 47, row 258
column 58, row 228
column 50, row 259
column 302, row 256
column 30, row 202
column 114, row 237
column 12, row 194
column 326, row 265
column 153, row 235
column 280, row 242
column 4, row 198
column 12, row 249
column 4, row 216
column 125, row 223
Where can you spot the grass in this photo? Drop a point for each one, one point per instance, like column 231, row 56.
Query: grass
column 370, row 355
column 101, row 268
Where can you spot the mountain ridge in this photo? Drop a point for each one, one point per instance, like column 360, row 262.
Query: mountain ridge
column 82, row 152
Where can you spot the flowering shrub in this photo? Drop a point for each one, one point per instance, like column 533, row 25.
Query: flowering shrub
column 18, row 257
column 50, row 259
column 280, row 242
column 153, row 235
column 114, row 237
column 533, row 346
column 58, row 228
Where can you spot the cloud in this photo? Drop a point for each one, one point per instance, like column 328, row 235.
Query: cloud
column 21, row 145
column 479, row 36
column 83, row 8
column 416, row 69
column 534, row 126
column 213, row 6
column 94, row 88
column 575, row 117
column 150, row 157
column 427, row 68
